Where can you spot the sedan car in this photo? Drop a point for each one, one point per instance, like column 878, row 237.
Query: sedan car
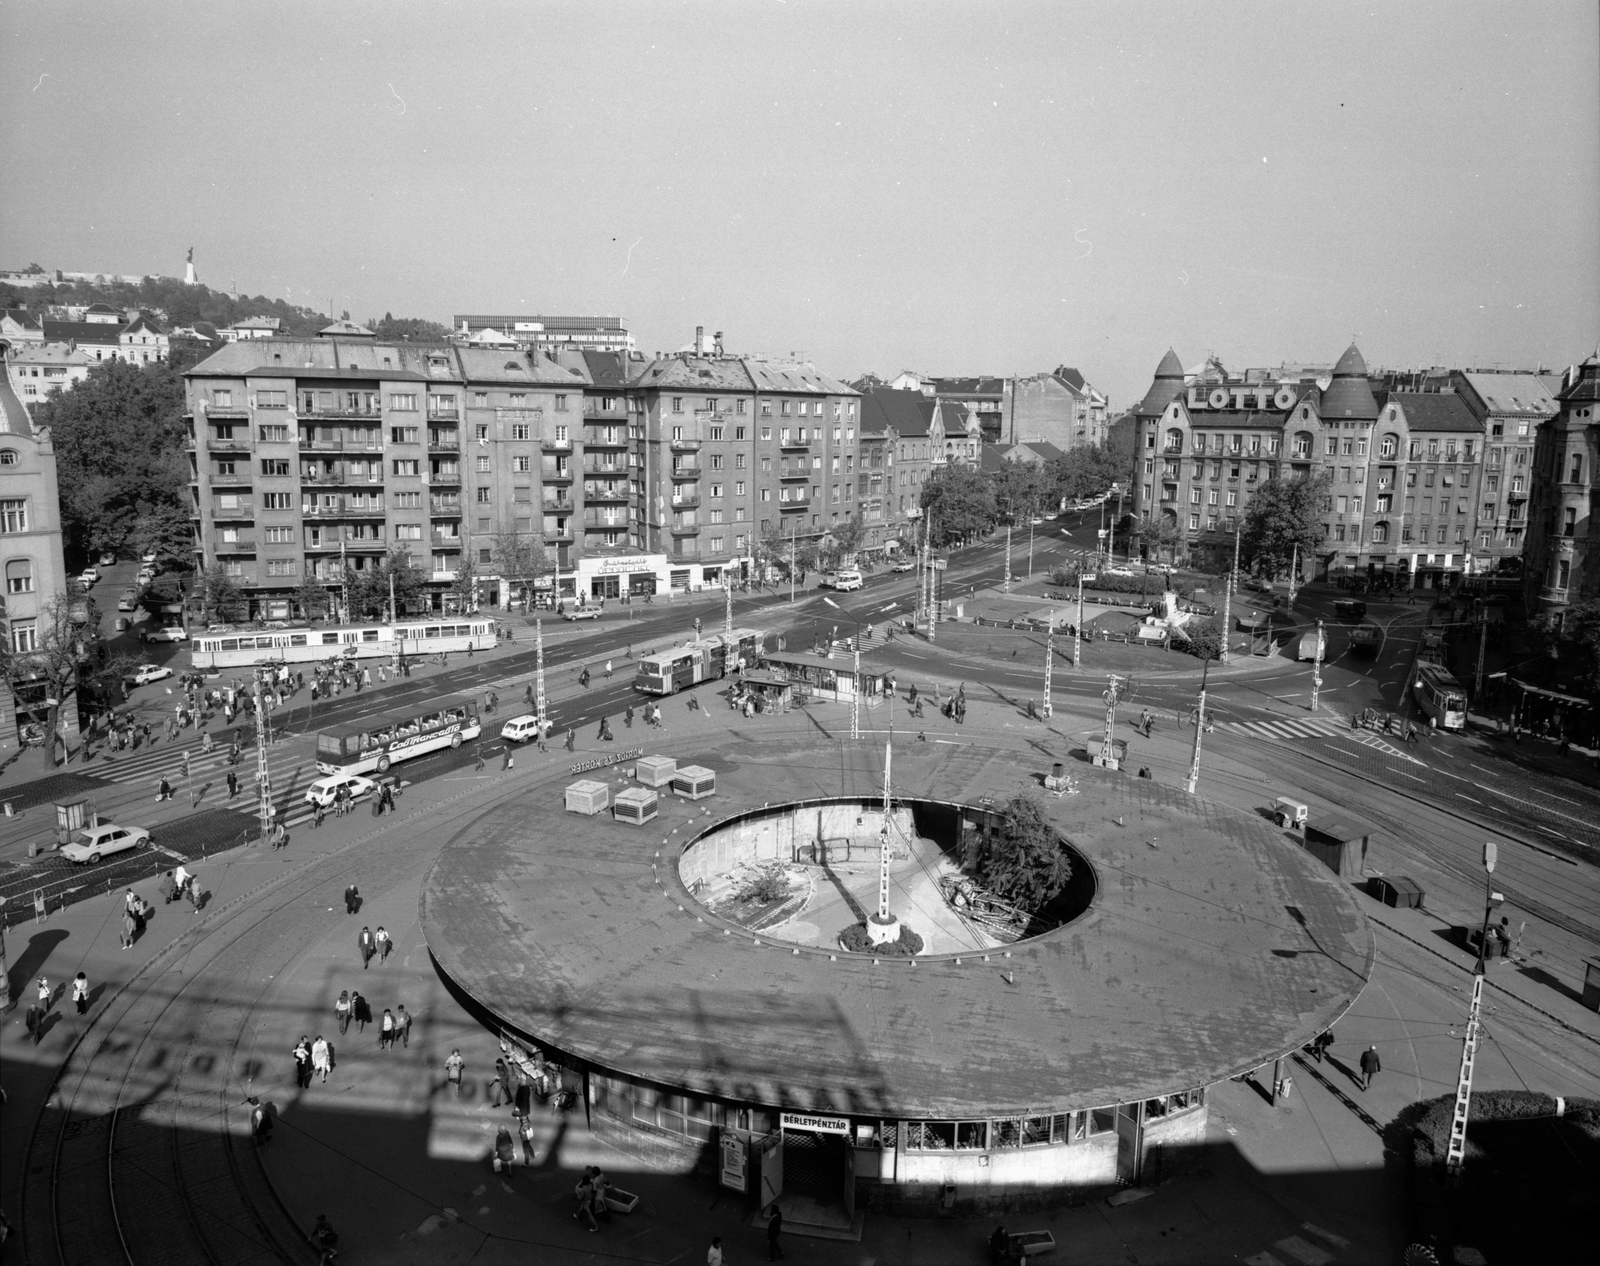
column 107, row 559
column 172, row 634
column 324, row 790
column 91, row 843
column 905, row 564
column 128, row 599
column 146, row 673
column 90, row 576
column 581, row 613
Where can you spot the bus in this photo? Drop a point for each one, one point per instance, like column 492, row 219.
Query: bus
column 233, row 648
column 1440, row 696
column 376, row 741
column 700, row 660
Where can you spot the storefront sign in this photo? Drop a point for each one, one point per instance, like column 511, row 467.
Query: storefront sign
column 620, row 566
column 1262, row 397
column 818, row 1125
column 600, row 762
column 735, row 1163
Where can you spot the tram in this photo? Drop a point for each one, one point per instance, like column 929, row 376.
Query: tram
column 248, row 649
column 701, row 660
column 1441, row 697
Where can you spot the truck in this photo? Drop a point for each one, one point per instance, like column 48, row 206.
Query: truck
column 1366, row 638
column 1313, row 645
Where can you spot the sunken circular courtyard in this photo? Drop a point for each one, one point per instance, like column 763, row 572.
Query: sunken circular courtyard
column 686, row 970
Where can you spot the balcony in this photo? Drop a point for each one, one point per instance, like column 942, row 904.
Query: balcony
column 324, row 478
column 1178, row 448
column 791, row 442
column 605, row 468
column 441, row 541
column 342, row 510
column 320, row 446
column 686, row 471
column 230, row 480
column 243, row 545
column 595, row 439
column 551, row 475
column 244, row 510
column 686, row 500
column 225, row 411
column 561, row 536
column 444, row 443
column 444, row 505
column 599, row 492
column 308, row 410
column 794, row 472
column 785, row 506
column 443, row 415
column 443, row 476
column 365, row 545
column 555, row 446
column 597, row 522
column 684, row 446
column 215, row 445
column 685, row 529
column 560, row 505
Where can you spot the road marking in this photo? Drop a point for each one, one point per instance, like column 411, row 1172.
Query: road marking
column 1457, row 777
column 1403, row 774
column 1465, row 796
column 1553, row 796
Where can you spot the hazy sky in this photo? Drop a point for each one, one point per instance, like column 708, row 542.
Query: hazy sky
column 956, row 188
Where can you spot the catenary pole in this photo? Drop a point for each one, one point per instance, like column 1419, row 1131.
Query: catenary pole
column 1199, row 725
column 1049, row 659
column 1227, row 599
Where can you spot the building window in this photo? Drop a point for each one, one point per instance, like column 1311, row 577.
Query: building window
column 1563, row 572
column 523, row 431
column 483, row 465
column 274, row 466
column 403, row 402
column 1577, row 469
column 14, row 515
column 522, row 465
column 408, row 466
column 1569, row 525
column 24, row 637
column 19, row 576
column 480, row 399
column 276, row 535
column 483, row 496
column 280, row 566
column 275, row 501
column 408, row 532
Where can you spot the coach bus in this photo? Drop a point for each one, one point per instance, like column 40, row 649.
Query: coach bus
column 1440, row 696
column 376, row 741
column 247, row 649
column 702, row 660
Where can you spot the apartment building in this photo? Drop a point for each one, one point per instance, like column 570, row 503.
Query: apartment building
column 310, row 456
column 1511, row 406
column 913, row 443
column 32, row 563
column 547, row 333
column 1058, row 408
column 1561, row 558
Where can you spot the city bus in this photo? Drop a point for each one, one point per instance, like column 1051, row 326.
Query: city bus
column 376, row 741
column 700, row 660
column 247, row 648
column 1441, row 697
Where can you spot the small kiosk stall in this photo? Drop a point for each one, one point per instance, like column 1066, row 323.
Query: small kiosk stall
column 765, row 690
column 822, row 676
column 1340, row 844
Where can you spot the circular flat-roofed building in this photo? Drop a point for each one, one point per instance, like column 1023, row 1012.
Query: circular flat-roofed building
column 687, row 971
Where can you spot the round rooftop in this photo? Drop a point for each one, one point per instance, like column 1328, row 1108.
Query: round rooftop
column 1213, row 943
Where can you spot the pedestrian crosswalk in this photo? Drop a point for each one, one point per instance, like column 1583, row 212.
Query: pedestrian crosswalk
column 1317, row 727
column 291, row 763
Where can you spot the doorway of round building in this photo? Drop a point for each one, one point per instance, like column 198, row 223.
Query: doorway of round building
column 815, row 1176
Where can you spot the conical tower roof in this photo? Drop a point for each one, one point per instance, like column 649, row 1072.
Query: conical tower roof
column 1349, row 395
column 1166, row 387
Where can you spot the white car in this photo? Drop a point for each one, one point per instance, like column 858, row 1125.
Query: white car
column 580, row 613
column 90, row 576
column 1120, row 571
column 148, row 558
column 844, row 580
column 324, row 790
column 91, row 843
column 905, row 564
column 523, row 729
column 172, row 634
column 149, row 672
column 107, row 559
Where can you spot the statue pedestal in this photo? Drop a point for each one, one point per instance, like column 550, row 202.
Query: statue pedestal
column 884, row 933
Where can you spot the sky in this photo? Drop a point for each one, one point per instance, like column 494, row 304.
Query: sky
column 955, row 188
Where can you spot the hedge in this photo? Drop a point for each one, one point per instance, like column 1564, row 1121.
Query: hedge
column 854, row 939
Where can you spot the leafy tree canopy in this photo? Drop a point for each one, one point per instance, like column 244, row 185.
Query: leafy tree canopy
column 960, row 503
column 369, row 589
column 1284, row 514
column 1581, row 631
column 408, row 329
column 1205, row 638
column 1023, row 862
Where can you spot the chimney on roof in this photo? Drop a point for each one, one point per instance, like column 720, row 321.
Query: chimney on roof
column 719, row 343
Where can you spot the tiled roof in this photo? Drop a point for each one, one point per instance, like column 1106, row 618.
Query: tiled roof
column 1167, row 384
column 1072, row 378
column 13, row 417
column 346, row 329
column 1350, row 394
column 969, row 386
column 991, row 460
column 694, row 373
column 609, row 369
column 47, row 353
column 794, row 377
column 1436, row 411
column 1045, row 450
column 909, row 413
column 1584, row 381
column 82, row 332
column 482, row 364
column 1512, row 393
column 143, row 323
column 23, row 318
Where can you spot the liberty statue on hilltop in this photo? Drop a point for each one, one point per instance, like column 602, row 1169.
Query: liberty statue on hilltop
column 189, row 277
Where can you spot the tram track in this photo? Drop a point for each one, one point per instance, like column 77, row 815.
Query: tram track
column 142, row 1152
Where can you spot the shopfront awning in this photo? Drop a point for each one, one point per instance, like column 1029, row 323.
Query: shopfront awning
column 1571, row 700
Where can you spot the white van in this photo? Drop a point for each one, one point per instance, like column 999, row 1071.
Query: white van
column 849, row 578
column 523, row 729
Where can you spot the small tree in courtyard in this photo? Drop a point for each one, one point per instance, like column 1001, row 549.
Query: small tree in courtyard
column 1024, row 862
column 1284, row 515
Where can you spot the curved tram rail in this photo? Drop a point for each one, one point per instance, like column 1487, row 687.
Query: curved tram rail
column 143, row 1151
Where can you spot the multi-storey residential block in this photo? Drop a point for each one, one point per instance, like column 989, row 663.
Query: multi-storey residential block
column 1423, row 488
column 549, row 333
column 31, row 561
column 313, row 455
column 1561, row 558
column 913, row 446
column 1059, row 408
column 1511, row 407
column 37, row 369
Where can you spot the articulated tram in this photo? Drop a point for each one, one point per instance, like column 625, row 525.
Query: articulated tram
column 250, row 648
column 689, row 665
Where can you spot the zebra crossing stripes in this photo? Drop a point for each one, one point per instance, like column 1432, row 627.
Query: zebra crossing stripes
column 1317, row 727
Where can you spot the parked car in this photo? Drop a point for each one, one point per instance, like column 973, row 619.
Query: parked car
column 146, row 673
column 580, row 613
column 148, row 558
column 173, row 633
column 107, row 559
column 324, row 790
column 905, row 564
column 522, row 729
column 90, row 576
column 128, row 599
column 91, row 843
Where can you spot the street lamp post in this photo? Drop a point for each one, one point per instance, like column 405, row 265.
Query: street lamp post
column 1316, row 669
column 1049, row 659
column 1077, row 629
column 1227, row 598
column 1006, row 586
column 1199, row 725
column 1456, row 1152
column 538, row 673
column 1108, row 752
column 855, row 685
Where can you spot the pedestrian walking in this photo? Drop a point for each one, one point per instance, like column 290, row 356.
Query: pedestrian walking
column 233, row 784
column 572, row 739
column 325, row 1239
column 505, row 1154
column 195, row 896
column 627, row 717
column 1371, row 1066
column 367, row 947
column 452, row 1071
column 507, row 762
column 35, row 1022
column 352, row 899
column 530, row 1155
column 714, row 1253
column 608, row 670
column 501, row 1086
column 321, row 1057
column 360, row 1012
column 182, row 878
column 129, row 927
column 302, row 1062
column 341, row 1008
column 1320, row 1045
column 80, row 993
column 385, row 944
column 45, row 999
column 260, row 1122
column 386, row 1030
column 774, row 1230
column 402, row 1024
column 163, row 789
column 584, row 1192
column 605, row 730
